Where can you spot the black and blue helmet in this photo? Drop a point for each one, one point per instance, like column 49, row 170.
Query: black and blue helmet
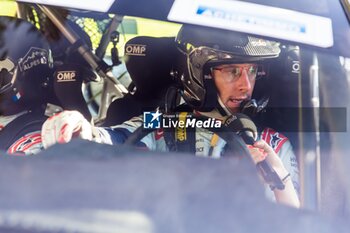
column 25, row 65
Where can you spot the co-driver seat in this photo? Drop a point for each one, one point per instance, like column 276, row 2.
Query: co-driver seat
column 149, row 61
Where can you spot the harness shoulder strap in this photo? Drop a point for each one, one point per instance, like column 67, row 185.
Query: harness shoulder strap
column 22, row 125
column 181, row 139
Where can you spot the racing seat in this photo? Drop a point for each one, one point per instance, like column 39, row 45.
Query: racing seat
column 149, row 61
column 281, row 77
column 71, row 69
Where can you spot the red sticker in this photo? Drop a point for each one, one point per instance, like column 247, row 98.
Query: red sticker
column 159, row 134
column 25, row 143
column 274, row 139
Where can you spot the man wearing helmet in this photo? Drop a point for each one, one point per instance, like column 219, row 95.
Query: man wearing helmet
column 217, row 72
column 25, row 70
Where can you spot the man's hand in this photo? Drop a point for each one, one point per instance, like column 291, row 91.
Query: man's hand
column 257, row 154
column 261, row 151
column 270, row 154
column 61, row 127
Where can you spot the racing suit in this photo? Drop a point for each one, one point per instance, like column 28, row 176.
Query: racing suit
column 206, row 144
column 28, row 144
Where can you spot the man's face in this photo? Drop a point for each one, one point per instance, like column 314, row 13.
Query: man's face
column 235, row 83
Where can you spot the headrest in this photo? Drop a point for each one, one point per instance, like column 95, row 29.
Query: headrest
column 149, row 61
column 67, row 83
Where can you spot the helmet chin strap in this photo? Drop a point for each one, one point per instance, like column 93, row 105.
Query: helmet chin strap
column 223, row 107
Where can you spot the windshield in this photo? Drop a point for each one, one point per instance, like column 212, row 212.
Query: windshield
column 163, row 80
